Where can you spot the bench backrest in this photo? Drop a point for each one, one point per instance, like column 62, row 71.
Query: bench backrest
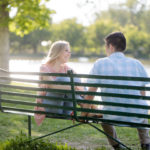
column 20, row 93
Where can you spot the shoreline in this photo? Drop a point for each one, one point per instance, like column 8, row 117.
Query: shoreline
column 73, row 59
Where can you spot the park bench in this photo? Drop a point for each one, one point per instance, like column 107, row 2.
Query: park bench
column 18, row 93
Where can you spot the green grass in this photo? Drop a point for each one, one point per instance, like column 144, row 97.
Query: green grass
column 81, row 137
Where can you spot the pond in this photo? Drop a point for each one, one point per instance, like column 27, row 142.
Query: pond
column 33, row 66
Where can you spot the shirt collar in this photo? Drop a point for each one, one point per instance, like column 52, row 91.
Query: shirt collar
column 117, row 55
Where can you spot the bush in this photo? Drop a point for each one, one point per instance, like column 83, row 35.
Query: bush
column 19, row 144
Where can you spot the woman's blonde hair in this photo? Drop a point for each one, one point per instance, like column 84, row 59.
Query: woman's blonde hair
column 56, row 49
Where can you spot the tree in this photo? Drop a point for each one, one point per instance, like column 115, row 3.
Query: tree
column 71, row 31
column 97, row 32
column 30, row 15
column 114, row 14
column 29, row 43
column 137, row 41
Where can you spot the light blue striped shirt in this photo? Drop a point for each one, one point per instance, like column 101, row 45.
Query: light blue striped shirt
column 119, row 65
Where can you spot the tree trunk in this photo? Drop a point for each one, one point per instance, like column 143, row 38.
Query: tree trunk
column 4, row 38
column 35, row 49
column 4, row 48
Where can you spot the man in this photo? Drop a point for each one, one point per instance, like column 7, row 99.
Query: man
column 117, row 64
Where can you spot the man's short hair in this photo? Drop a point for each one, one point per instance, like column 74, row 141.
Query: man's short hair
column 116, row 39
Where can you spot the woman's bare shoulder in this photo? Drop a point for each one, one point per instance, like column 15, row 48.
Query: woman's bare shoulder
column 44, row 68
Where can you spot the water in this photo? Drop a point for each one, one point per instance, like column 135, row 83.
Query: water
column 34, row 65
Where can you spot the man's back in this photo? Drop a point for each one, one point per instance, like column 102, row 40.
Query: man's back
column 119, row 65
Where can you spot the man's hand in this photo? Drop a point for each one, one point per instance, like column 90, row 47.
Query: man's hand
column 88, row 97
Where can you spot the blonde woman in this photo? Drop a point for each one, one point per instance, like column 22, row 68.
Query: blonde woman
column 55, row 62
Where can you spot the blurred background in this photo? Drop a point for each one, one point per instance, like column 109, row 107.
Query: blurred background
column 28, row 28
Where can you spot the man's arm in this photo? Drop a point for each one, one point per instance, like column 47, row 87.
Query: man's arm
column 88, row 97
column 91, row 97
column 143, row 93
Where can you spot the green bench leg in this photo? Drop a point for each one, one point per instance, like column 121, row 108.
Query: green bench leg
column 29, row 126
column 54, row 132
column 108, row 136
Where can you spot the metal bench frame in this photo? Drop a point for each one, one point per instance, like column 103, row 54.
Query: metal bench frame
column 76, row 110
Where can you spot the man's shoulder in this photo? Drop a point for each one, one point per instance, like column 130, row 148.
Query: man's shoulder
column 133, row 60
column 102, row 60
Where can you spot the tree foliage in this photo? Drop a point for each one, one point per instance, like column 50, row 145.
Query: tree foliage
column 98, row 31
column 131, row 17
column 137, row 41
column 30, row 15
column 69, row 30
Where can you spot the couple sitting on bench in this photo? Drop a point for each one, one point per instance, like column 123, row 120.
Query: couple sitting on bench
column 115, row 64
